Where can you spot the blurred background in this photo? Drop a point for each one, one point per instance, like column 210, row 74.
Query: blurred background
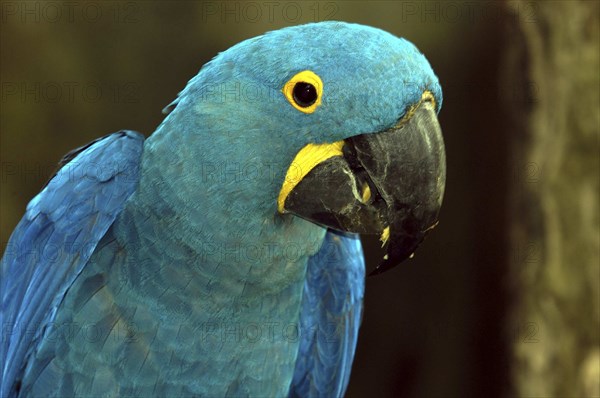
column 502, row 299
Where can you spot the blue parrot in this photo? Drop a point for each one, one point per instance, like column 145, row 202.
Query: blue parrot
column 220, row 256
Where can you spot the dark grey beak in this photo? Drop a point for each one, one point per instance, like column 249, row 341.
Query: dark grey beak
column 389, row 183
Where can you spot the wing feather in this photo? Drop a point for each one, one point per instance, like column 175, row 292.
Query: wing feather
column 55, row 239
column 330, row 317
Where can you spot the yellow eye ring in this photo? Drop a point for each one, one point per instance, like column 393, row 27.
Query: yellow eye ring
column 304, row 91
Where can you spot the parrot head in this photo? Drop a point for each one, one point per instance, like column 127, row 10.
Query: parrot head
column 347, row 112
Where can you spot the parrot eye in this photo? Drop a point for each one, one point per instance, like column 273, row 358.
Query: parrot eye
column 303, row 91
column 305, row 94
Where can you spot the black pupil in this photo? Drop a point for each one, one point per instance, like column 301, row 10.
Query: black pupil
column 305, row 94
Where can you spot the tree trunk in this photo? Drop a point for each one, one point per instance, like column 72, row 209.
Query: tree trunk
column 552, row 63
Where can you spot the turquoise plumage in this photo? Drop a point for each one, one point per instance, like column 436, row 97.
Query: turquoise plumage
column 163, row 267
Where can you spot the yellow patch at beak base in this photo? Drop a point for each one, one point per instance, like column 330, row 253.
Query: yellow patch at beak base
column 306, row 159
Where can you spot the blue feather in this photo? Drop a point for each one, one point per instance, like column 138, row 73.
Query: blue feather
column 330, row 317
column 51, row 244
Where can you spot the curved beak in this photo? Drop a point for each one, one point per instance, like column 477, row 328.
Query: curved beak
column 389, row 183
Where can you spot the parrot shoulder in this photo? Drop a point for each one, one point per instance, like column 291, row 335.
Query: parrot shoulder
column 55, row 239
